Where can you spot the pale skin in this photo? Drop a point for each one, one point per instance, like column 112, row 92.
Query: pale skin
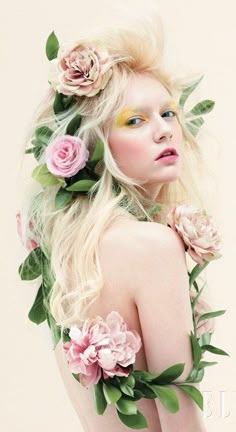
column 144, row 267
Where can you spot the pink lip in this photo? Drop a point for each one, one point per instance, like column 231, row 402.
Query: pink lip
column 166, row 159
column 168, row 149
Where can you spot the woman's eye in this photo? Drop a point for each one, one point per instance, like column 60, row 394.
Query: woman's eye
column 173, row 113
column 132, row 121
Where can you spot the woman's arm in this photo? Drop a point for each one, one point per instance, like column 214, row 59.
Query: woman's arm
column 162, row 298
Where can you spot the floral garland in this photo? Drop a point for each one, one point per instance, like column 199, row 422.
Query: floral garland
column 102, row 353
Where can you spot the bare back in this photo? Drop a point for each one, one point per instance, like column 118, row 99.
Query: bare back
column 116, row 295
column 145, row 280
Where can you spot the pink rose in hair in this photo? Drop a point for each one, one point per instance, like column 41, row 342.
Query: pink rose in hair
column 31, row 242
column 198, row 232
column 201, row 307
column 66, row 155
column 83, row 70
column 101, row 347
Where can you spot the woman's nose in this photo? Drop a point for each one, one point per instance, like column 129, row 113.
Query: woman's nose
column 162, row 131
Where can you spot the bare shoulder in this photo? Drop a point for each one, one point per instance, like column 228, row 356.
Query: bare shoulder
column 132, row 247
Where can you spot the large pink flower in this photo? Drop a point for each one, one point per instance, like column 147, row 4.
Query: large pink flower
column 101, row 347
column 198, row 232
column 32, row 240
column 66, row 155
column 84, row 69
column 201, row 307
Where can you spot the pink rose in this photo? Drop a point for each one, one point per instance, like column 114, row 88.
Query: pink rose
column 101, row 347
column 66, row 155
column 83, row 70
column 201, row 307
column 32, row 240
column 198, row 232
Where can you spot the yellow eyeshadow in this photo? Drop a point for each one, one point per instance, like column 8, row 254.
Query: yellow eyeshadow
column 126, row 113
column 172, row 106
column 123, row 116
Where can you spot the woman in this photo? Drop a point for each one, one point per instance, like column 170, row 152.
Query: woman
column 107, row 252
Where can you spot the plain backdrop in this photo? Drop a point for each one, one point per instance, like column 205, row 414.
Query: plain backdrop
column 200, row 37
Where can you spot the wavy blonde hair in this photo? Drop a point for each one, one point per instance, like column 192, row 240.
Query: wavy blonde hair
column 71, row 235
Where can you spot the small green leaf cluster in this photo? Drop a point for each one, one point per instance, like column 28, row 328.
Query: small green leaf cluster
column 193, row 117
column 201, row 344
column 123, row 392
column 34, row 266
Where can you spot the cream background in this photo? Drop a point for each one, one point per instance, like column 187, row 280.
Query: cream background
column 200, row 36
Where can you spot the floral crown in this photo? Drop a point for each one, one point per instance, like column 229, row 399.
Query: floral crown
column 102, row 353
column 83, row 69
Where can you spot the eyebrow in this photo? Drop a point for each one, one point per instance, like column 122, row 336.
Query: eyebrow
column 165, row 104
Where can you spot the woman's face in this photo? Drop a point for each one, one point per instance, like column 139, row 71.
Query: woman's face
column 144, row 127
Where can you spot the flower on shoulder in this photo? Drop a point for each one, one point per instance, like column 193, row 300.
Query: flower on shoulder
column 82, row 70
column 198, row 232
column 101, row 348
column 32, row 240
column 66, row 155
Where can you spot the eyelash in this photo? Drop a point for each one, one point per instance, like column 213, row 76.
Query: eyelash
column 140, row 118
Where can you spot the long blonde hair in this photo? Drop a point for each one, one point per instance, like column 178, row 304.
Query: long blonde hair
column 71, row 235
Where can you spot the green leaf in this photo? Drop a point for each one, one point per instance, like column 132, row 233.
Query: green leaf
column 52, row 46
column 37, row 312
column 210, row 315
column 194, row 301
column 188, row 90
column 42, row 134
column 29, row 150
column 126, row 406
column 205, row 339
column 167, row 397
column 62, row 103
column 198, row 122
column 74, row 125
column 136, row 421
column 129, row 380
column 196, row 350
column 43, row 176
column 63, row 197
column 204, row 364
column 192, row 375
column 112, row 394
column 192, row 129
column 196, row 272
column 144, row 375
column 81, row 185
column 154, row 210
column 146, row 389
column 65, row 335
column 98, row 151
column 202, row 107
column 31, row 268
column 55, row 330
column 199, row 377
column 126, row 389
column 214, row 350
column 38, row 151
column 76, row 377
column 169, row 374
column 193, row 393
column 47, row 275
column 99, row 399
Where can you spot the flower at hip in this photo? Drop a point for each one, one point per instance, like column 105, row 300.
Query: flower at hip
column 195, row 227
column 101, row 348
column 83, row 70
column 66, row 155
